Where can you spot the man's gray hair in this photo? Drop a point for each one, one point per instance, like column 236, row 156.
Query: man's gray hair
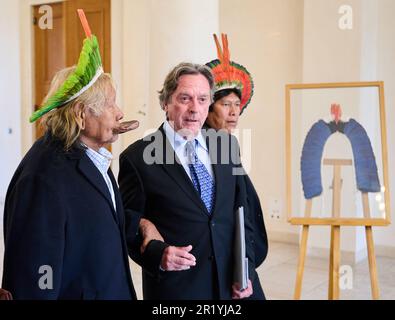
column 184, row 68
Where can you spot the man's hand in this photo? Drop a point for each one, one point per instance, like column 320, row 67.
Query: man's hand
column 149, row 232
column 5, row 295
column 237, row 294
column 177, row 258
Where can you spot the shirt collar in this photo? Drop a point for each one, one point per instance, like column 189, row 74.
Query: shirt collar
column 101, row 158
column 178, row 141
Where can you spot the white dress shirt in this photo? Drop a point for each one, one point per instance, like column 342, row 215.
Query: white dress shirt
column 102, row 161
column 179, row 145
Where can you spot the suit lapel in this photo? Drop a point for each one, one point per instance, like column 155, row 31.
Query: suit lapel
column 118, row 199
column 93, row 175
column 176, row 171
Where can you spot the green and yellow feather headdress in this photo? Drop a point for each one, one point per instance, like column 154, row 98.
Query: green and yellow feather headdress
column 88, row 70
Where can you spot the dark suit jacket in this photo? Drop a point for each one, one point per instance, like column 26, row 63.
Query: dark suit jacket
column 260, row 242
column 260, row 236
column 259, row 239
column 166, row 195
column 59, row 213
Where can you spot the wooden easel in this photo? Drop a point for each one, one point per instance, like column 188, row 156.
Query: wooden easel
column 334, row 257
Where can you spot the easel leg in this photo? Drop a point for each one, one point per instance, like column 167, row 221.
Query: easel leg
column 334, row 264
column 330, row 282
column 302, row 256
column 369, row 243
column 372, row 263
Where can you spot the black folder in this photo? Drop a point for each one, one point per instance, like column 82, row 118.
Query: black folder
column 240, row 260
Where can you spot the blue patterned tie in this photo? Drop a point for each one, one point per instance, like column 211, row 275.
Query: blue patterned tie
column 201, row 178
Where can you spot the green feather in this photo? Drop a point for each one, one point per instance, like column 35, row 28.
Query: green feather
column 88, row 64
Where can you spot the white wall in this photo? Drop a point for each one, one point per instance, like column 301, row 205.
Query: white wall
column 331, row 54
column 267, row 38
column 10, row 102
column 364, row 53
column 157, row 36
column 386, row 72
column 299, row 41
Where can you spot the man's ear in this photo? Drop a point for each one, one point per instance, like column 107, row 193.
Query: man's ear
column 165, row 109
column 79, row 110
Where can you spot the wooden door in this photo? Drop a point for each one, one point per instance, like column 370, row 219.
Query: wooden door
column 59, row 47
column 98, row 14
column 49, row 54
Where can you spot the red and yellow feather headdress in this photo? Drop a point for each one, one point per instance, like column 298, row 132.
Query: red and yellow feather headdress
column 231, row 75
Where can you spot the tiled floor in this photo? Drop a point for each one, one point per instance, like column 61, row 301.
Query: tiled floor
column 278, row 273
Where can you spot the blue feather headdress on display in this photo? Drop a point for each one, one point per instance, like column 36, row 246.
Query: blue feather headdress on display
column 313, row 147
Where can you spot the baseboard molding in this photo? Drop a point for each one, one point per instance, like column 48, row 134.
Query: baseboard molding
column 284, row 237
column 347, row 257
column 385, row 251
column 350, row 257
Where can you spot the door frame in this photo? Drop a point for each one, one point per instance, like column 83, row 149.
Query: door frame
column 26, row 35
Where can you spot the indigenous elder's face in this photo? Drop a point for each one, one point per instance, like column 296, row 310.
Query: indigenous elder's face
column 225, row 114
column 188, row 106
column 100, row 128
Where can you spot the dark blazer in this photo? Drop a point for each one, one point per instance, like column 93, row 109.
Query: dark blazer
column 59, row 213
column 259, row 239
column 165, row 194
column 260, row 243
column 260, row 236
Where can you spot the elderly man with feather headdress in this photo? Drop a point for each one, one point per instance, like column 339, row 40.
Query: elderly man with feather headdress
column 64, row 223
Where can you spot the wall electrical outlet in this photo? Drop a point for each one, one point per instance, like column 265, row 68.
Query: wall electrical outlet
column 275, row 209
